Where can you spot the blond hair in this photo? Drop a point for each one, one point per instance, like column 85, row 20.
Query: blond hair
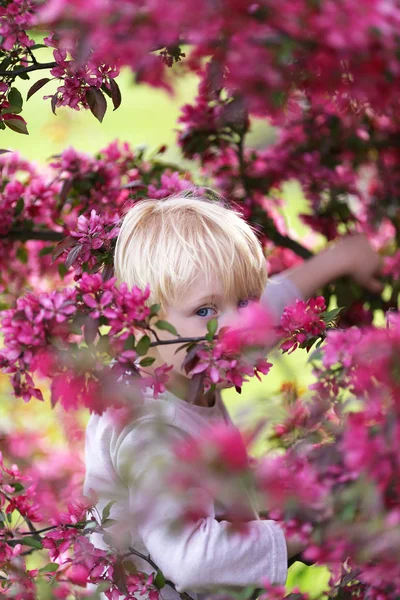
column 167, row 243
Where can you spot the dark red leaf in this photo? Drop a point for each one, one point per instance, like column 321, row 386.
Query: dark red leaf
column 106, row 90
column 191, row 358
column 196, row 388
column 66, row 187
column 97, row 103
column 36, row 86
column 67, row 242
column 15, row 122
column 73, row 255
column 90, row 330
column 115, row 94
column 107, row 272
column 54, row 103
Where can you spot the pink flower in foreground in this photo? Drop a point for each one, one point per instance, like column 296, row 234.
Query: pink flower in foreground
column 253, row 326
column 340, row 347
column 220, row 444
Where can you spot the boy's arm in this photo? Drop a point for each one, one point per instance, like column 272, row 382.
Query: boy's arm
column 205, row 553
column 352, row 256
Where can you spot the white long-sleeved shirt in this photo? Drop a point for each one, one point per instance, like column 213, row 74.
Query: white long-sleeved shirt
column 124, row 463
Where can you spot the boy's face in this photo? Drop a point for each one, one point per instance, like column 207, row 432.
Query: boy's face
column 202, row 301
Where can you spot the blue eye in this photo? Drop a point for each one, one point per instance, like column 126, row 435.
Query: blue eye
column 243, row 303
column 203, row 312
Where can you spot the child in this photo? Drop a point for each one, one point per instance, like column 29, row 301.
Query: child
column 201, row 261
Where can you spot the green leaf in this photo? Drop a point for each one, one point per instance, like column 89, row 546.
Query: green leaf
column 45, row 251
column 49, row 568
column 143, row 345
column 106, row 510
column 147, row 361
column 212, row 326
column 18, row 487
column 15, row 99
column 331, row 315
column 62, row 270
column 154, row 309
column 108, row 523
column 159, row 580
column 19, row 207
column 165, row 326
column 31, row 542
column 129, row 343
column 90, row 525
column 22, row 254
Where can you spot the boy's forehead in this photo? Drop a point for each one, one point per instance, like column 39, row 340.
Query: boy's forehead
column 204, row 287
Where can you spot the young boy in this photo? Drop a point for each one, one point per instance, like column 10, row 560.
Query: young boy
column 201, row 261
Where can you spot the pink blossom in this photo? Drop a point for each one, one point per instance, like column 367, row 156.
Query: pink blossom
column 157, row 380
column 252, row 327
column 340, row 347
column 301, row 323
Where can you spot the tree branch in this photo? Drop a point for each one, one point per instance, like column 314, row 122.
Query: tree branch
column 270, row 230
column 24, row 235
column 22, row 70
column 285, row 241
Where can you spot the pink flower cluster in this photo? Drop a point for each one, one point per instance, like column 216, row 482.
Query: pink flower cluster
column 74, row 560
column 92, row 234
column 27, row 332
column 302, row 323
column 313, row 48
column 40, row 336
column 62, row 200
column 16, row 18
column 217, row 366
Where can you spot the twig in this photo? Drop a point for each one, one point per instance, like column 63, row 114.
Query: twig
column 180, row 340
column 183, row 595
column 22, row 70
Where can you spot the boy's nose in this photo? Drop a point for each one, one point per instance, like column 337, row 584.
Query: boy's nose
column 228, row 317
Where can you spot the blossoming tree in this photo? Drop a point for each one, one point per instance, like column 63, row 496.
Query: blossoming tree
column 325, row 74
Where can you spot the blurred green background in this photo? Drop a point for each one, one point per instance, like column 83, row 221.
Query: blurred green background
column 148, row 117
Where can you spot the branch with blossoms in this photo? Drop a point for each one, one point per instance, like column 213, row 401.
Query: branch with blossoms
column 89, row 337
column 334, row 486
column 74, row 561
column 309, row 58
column 86, row 196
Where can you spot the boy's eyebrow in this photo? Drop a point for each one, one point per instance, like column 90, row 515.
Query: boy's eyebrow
column 207, row 298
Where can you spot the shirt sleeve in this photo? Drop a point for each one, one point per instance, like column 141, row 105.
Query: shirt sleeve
column 279, row 292
column 204, row 554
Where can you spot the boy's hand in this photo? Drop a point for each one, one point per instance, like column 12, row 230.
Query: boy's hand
column 294, row 546
column 360, row 261
column 352, row 256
